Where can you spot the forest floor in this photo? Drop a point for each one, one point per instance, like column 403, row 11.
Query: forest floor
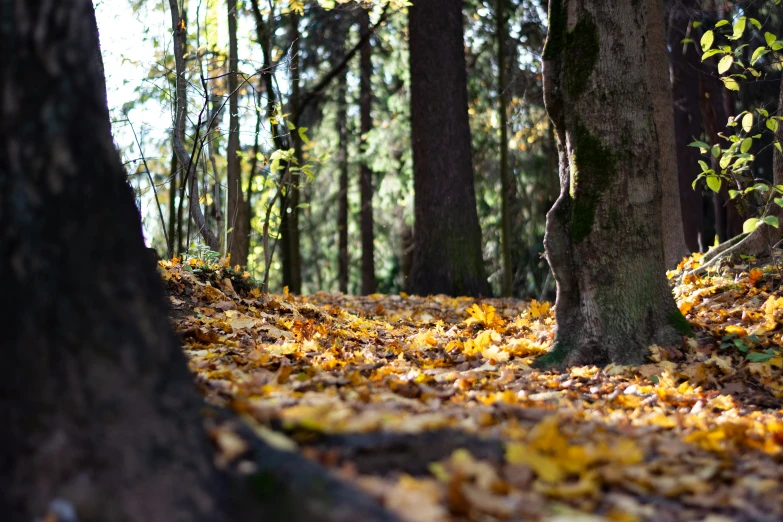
column 430, row 405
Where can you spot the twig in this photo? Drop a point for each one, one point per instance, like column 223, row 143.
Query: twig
column 152, row 184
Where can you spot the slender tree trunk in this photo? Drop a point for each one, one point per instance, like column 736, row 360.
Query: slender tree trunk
column 342, row 162
column 685, row 64
column 603, row 235
column 365, row 174
column 505, row 177
column 289, row 222
column 100, row 410
column 447, row 255
column 179, row 29
column 674, row 246
column 172, row 206
column 238, row 237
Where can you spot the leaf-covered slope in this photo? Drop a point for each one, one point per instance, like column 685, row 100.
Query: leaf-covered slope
column 431, row 405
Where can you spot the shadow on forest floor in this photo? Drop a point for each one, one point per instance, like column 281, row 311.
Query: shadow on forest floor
column 431, row 407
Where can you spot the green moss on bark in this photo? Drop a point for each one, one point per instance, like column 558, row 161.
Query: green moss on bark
column 680, row 323
column 594, row 170
column 580, row 55
column 555, row 357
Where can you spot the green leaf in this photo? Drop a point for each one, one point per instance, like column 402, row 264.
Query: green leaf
column 697, row 24
column 777, row 46
column 777, row 146
column 733, row 193
column 758, row 53
column 711, row 53
column 706, row 40
column 699, row 144
column 731, row 84
column 760, row 356
column 290, row 125
column 704, row 166
column 725, row 160
column 715, row 151
column 769, row 37
column 747, row 143
column 771, row 221
column 725, row 63
column 747, row 122
column 721, row 23
column 714, row 182
column 739, row 28
column 303, row 136
column 772, row 125
column 755, row 23
column 779, row 202
column 750, row 225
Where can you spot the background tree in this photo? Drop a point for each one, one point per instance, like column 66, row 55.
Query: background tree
column 674, row 246
column 604, row 239
column 447, row 239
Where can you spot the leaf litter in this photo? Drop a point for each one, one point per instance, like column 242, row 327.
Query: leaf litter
column 431, row 405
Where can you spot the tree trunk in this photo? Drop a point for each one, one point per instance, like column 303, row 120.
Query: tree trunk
column 238, row 237
column 342, row 162
column 685, row 64
column 172, row 207
column 289, row 221
column 365, row 174
column 447, row 255
column 100, row 410
column 674, row 247
column 505, row 177
column 603, row 235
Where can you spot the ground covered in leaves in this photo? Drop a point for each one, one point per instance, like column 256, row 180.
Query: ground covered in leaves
column 430, row 405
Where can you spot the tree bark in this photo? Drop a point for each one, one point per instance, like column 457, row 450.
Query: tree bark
column 100, row 410
column 603, row 235
column 342, row 162
column 365, row 174
column 447, row 256
column 238, row 237
column 685, row 64
column 674, row 247
column 505, row 177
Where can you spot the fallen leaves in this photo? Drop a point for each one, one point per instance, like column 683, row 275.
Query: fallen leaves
column 694, row 434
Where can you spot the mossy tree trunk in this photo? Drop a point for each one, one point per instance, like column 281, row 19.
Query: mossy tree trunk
column 99, row 410
column 342, row 162
column 603, row 235
column 447, row 254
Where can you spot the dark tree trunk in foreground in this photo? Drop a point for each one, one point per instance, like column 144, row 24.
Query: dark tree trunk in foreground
column 685, row 64
column 365, row 177
column 238, row 237
column 603, row 237
column 342, row 162
column 99, row 410
column 447, row 254
column 674, row 247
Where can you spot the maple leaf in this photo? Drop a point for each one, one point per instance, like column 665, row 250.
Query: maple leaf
column 484, row 315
